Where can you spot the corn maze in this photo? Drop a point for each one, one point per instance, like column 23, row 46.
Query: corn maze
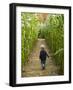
column 50, row 27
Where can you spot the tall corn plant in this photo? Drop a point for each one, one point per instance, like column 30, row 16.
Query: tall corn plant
column 29, row 33
column 54, row 35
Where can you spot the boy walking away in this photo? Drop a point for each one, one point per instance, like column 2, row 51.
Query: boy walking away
column 42, row 56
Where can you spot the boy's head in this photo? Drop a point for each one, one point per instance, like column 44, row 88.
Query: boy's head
column 42, row 47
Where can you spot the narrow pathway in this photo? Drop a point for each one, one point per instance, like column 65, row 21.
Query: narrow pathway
column 33, row 67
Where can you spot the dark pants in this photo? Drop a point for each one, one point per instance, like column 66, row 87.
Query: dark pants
column 43, row 63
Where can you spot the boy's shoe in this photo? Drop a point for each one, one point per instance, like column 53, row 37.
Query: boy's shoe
column 43, row 67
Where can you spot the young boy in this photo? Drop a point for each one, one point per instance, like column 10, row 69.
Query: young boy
column 42, row 56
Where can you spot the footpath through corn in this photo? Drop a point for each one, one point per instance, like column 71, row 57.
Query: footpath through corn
column 33, row 67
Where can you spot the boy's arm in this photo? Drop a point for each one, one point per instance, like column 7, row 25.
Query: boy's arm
column 47, row 55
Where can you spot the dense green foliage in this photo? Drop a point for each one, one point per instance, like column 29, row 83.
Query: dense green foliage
column 52, row 29
column 29, row 34
column 54, row 35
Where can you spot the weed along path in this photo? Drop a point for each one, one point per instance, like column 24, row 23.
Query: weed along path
column 33, row 67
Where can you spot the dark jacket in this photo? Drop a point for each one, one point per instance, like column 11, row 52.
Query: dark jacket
column 43, row 55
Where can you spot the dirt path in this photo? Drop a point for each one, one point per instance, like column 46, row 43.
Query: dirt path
column 33, row 67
